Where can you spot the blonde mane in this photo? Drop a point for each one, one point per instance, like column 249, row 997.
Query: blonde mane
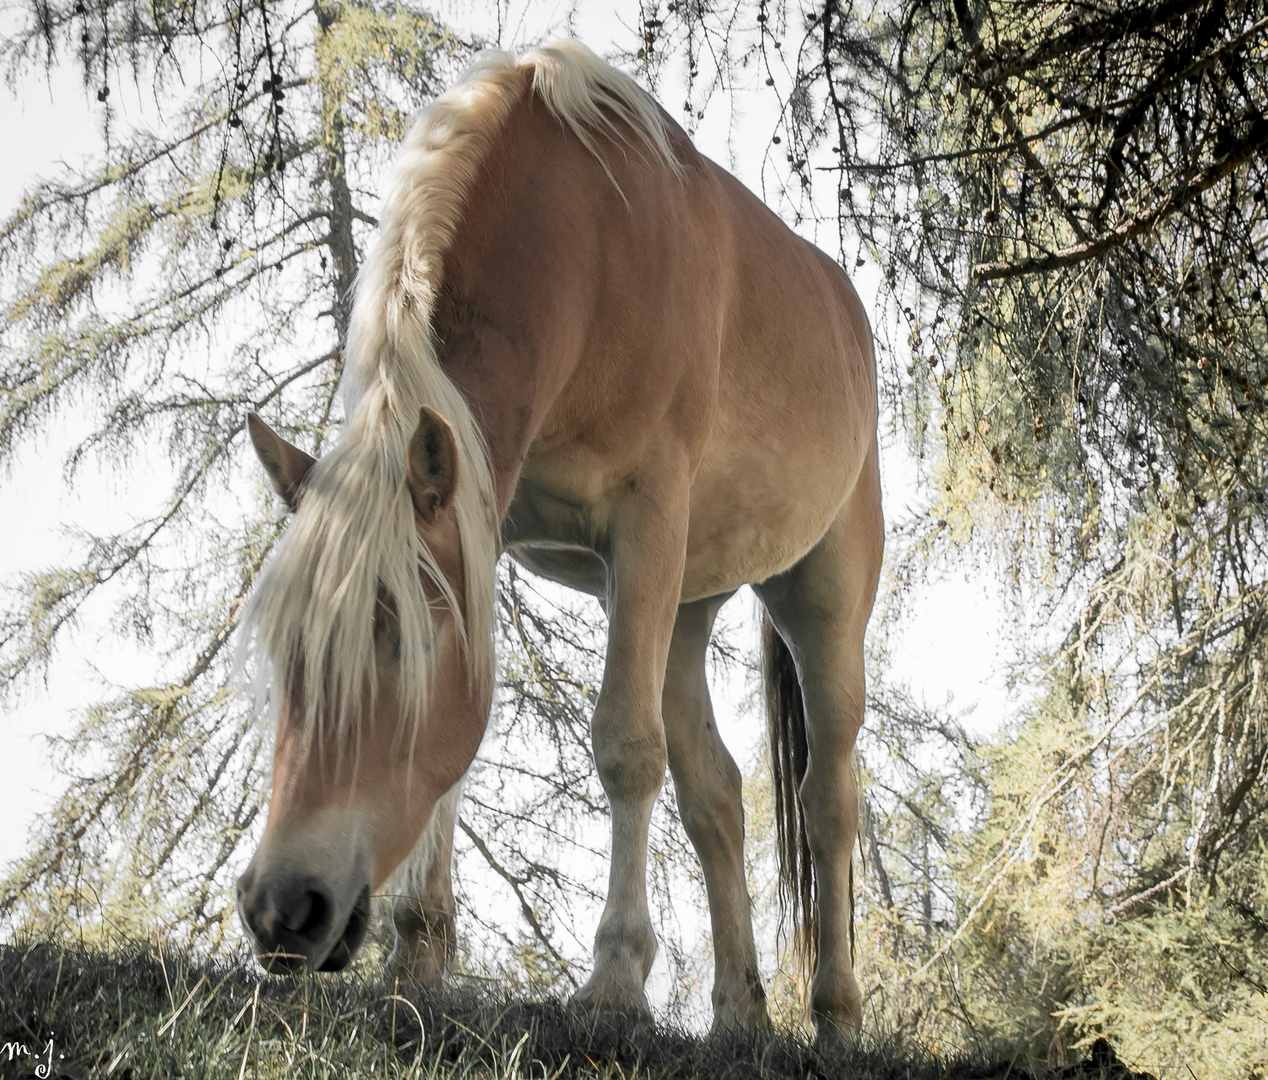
column 354, row 532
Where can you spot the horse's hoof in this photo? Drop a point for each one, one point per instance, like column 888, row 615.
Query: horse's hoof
column 837, row 1030
column 610, row 997
column 747, row 1014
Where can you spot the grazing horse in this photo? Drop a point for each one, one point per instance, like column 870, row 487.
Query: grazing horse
column 580, row 342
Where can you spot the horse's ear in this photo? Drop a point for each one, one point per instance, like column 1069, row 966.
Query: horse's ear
column 286, row 465
column 431, row 467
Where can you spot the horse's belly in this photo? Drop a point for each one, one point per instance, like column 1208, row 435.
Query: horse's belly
column 740, row 535
column 755, row 510
column 550, row 528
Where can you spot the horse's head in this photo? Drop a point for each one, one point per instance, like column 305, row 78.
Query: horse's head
column 360, row 759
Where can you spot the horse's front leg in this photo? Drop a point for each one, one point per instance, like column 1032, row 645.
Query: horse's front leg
column 422, row 904
column 647, row 552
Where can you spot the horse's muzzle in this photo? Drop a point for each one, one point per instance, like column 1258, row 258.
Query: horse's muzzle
column 295, row 924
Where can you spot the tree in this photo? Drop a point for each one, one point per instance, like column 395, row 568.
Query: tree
column 1067, row 205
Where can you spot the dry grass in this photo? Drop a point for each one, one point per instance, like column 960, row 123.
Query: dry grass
column 134, row 1012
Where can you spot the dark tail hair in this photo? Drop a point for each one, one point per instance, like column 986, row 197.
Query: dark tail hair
column 786, row 726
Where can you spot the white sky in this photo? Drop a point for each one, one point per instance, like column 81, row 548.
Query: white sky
column 951, row 649
column 52, row 124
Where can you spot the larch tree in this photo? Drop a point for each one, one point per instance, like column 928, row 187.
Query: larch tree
column 1067, row 205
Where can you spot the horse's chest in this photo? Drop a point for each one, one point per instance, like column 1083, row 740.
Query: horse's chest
column 542, row 512
column 555, row 528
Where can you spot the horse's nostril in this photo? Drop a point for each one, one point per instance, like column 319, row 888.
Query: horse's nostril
column 288, row 918
column 302, row 914
column 311, row 918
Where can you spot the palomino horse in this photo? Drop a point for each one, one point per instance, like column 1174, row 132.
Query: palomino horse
column 579, row 341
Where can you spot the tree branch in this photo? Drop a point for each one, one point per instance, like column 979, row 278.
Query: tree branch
column 515, row 883
column 1129, row 230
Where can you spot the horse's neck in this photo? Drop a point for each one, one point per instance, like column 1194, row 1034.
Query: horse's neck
column 512, row 314
column 498, row 382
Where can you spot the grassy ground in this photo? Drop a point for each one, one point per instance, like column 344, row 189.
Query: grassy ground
column 134, row 1013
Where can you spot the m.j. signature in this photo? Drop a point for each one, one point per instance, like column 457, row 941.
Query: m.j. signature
column 19, row 1051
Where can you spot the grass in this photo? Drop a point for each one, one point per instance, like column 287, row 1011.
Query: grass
column 132, row 1012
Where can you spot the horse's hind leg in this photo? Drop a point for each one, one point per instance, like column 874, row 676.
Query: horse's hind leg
column 821, row 607
column 423, row 906
column 707, row 784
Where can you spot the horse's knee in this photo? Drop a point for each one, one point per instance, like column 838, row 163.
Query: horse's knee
column 631, row 766
column 830, row 803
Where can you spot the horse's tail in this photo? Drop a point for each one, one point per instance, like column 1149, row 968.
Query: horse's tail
column 786, row 724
